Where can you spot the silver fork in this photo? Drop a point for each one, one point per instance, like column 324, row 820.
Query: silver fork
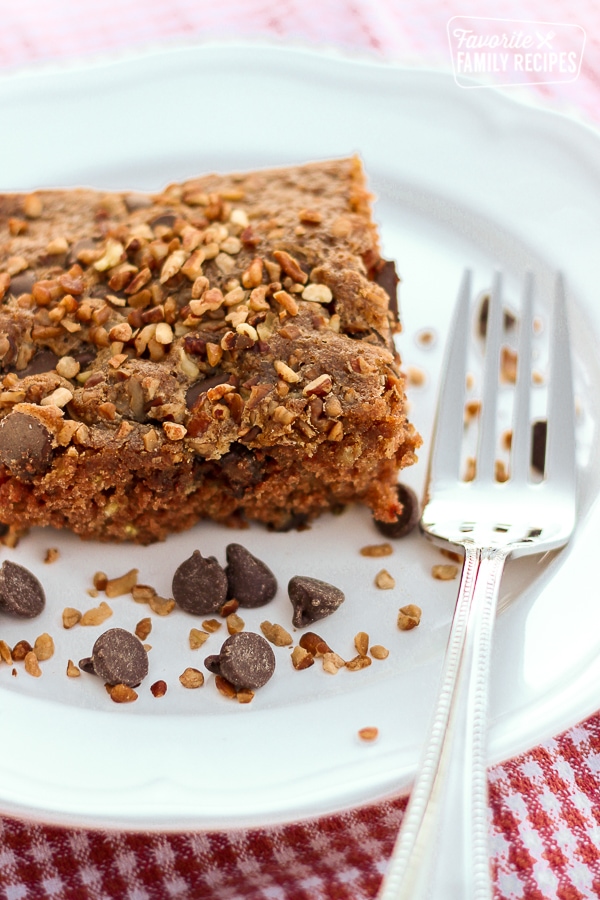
column 442, row 849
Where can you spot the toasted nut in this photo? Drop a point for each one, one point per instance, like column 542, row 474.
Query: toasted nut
column 173, row 431
column 122, row 332
column 301, row 658
column 114, row 252
column 384, row 580
column 191, row 678
column 317, row 293
column 318, row 387
column 33, row 206
column 310, row 216
column 43, row 647
column 253, row 275
column 164, row 333
column 60, row 397
column 234, row 623
column 416, row 377
column 142, row 593
column 100, row 581
column 379, row 652
column 287, row 302
column 409, row 617
column 359, row 662
column 97, row 615
column 332, row 663
column 160, row 605
column 276, row 634
column 67, row 367
column 452, row 554
column 151, row 440
column 290, row 266
column 121, row 693
column 116, row 587
column 172, row 265
column 284, row 371
column 444, row 572
column 230, row 606
column 245, row 696
column 197, row 638
column 376, row 550
column 211, row 625
column 368, row 734
column 361, row 642
column 314, row 644
column 5, row 654
column 159, row 688
column 143, row 628
column 72, row 670
column 31, row 665
column 20, row 650
column 225, row 687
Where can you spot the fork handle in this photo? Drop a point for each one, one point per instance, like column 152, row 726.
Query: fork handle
column 442, row 848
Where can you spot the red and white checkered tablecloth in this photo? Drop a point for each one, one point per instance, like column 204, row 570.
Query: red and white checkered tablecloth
column 545, row 804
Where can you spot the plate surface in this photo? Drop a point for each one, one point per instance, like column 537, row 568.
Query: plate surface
column 461, row 178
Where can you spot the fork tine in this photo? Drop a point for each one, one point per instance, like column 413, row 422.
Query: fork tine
column 444, row 461
column 486, row 449
column 560, row 442
column 521, row 433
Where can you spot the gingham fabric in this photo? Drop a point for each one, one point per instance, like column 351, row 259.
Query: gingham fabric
column 544, row 805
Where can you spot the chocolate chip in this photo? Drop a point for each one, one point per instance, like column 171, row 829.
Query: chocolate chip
column 250, row 581
column 539, row 433
column 167, row 219
column 200, row 585
column 213, row 663
column 21, row 594
column 312, row 599
column 385, row 276
column 407, row 519
column 42, row 361
column 201, row 387
column 119, row 657
column 78, row 246
column 22, row 283
column 25, row 444
column 87, row 665
column 246, row 660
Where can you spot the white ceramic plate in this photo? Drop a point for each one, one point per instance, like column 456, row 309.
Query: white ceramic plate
column 462, row 178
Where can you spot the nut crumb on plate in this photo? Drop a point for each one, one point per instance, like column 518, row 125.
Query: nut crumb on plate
column 191, row 678
column 73, row 671
column 368, row 734
column 376, row 550
column 409, row 617
column 384, row 581
column 444, row 572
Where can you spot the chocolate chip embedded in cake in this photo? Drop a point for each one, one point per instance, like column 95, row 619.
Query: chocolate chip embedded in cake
column 223, row 349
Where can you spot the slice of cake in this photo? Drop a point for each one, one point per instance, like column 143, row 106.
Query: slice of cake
column 222, row 349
